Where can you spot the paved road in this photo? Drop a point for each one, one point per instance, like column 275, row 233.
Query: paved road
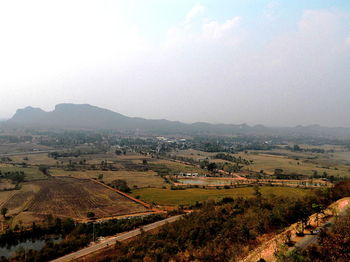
column 312, row 239
column 111, row 241
column 308, row 240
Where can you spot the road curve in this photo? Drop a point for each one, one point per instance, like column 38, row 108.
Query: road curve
column 313, row 239
column 111, row 241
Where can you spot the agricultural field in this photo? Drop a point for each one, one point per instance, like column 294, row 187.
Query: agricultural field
column 113, row 158
column 194, row 154
column 336, row 164
column 31, row 173
column 138, row 179
column 11, row 148
column 17, row 200
column 269, row 161
column 66, row 197
column 175, row 167
column 6, row 184
column 191, row 196
column 34, row 159
column 74, row 193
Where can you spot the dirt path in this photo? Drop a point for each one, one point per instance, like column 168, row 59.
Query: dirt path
column 268, row 248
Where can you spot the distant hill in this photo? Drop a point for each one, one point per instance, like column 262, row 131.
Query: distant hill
column 84, row 116
column 88, row 117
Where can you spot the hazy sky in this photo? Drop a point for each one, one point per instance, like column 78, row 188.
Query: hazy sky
column 283, row 62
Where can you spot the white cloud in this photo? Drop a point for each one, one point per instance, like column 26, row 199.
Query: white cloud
column 300, row 76
column 270, row 10
column 216, row 30
column 208, row 31
column 347, row 40
column 195, row 11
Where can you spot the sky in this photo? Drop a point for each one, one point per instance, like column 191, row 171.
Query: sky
column 277, row 63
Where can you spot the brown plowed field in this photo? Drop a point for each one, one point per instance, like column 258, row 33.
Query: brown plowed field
column 74, row 198
column 71, row 197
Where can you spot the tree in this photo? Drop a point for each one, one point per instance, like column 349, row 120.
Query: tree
column 318, row 209
column 118, row 152
column 296, row 148
column 90, row 214
column 121, row 185
column 211, row 167
column 44, row 170
column 278, row 171
column 258, row 195
column 4, row 211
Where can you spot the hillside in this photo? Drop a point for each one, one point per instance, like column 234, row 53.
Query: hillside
column 74, row 116
column 88, row 117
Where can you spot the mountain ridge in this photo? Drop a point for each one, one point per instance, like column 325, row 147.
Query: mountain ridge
column 85, row 116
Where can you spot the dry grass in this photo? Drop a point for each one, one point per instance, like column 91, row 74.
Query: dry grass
column 17, row 200
column 269, row 163
column 336, row 164
column 6, row 184
column 74, row 198
column 34, row 159
column 178, row 167
column 194, row 154
column 139, row 179
column 66, row 197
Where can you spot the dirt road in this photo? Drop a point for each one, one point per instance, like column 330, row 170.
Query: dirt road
column 111, row 241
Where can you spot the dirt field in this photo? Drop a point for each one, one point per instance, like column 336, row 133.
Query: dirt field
column 17, row 200
column 74, row 198
column 67, row 197
column 140, row 179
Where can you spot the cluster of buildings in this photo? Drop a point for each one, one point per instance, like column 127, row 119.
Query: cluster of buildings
column 191, row 175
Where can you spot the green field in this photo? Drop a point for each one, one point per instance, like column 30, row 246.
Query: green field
column 31, row 173
column 190, row 196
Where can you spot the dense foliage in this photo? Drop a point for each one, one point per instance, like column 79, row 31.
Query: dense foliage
column 15, row 176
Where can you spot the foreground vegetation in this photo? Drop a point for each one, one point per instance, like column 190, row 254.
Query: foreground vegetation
column 333, row 245
column 75, row 236
column 224, row 230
